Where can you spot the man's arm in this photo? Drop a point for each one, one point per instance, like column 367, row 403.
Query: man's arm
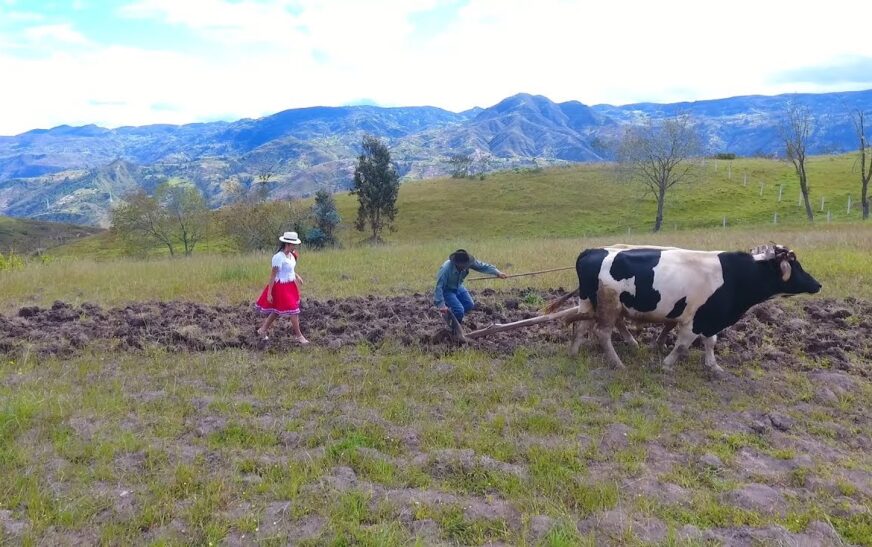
column 486, row 268
column 438, row 292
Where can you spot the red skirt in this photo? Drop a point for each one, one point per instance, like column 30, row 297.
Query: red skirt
column 286, row 299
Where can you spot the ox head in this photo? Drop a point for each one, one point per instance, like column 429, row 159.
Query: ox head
column 792, row 279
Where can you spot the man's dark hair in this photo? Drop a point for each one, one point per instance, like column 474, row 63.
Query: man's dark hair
column 460, row 258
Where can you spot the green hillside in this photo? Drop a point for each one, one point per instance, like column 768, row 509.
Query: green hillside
column 586, row 200
column 589, row 200
column 23, row 236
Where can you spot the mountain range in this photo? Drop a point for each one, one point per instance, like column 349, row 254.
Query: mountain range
column 75, row 174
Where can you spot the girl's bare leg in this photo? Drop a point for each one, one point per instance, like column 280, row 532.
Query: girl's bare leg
column 295, row 322
column 267, row 323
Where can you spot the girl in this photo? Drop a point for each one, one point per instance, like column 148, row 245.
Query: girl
column 282, row 295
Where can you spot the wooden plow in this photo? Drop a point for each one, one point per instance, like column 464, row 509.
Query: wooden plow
column 457, row 334
column 455, row 331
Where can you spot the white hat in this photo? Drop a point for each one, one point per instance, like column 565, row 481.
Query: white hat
column 290, row 237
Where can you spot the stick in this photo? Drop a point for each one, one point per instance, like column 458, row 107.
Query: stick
column 523, row 274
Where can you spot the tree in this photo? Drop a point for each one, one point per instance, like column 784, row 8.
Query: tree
column 460, row 165
column 140, row 219
column 176, row 214
column 326, row 219
column 658, row 156
column 865, row 168
column 376, row 185
column 257, row 225
column 795, row 130
column 186, row 213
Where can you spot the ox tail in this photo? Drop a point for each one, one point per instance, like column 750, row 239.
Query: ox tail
column 554, row 305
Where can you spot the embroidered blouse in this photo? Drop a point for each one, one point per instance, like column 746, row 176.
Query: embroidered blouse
column 285, row 264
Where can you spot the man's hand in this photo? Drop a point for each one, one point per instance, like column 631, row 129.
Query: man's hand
column 501, row 275
column 443, row 310
column 269, row 297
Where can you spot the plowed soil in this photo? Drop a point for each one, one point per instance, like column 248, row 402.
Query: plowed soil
column 823, row 328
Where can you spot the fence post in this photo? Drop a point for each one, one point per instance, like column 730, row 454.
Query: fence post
column 780, row 190
column 725, row 222
column 730, row 170
column 775, row 218
column 822, row 204
column 828, row 215
column 745, row 182
column 849, row 204
column 799, row 199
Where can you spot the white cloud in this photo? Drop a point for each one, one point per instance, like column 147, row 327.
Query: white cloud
column 258, row 57
column 63, row 33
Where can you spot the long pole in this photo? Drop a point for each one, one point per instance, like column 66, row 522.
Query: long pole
column 524, row 274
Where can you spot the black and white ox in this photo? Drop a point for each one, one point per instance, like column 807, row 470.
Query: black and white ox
column 698, row 292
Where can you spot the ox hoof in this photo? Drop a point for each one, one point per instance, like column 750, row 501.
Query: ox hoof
column 716, row 372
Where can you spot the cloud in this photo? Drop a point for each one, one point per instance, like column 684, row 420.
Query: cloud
column 63, row 33
column 241, row 22
column 213, row 59
column 856, row 70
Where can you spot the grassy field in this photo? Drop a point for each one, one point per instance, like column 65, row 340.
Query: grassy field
column 386, row 444
column 581, row 201
column 587, row 201
column 390, row 445
column 840, row 256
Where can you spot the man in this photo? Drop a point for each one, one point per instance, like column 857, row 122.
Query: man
column 450, row 295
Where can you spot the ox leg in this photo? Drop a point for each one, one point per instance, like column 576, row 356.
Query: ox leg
column 580, row 329
column 608, row 315
column 710, row 361
column 661, row 340
column 604, row 335
column 626, row 334
column 683, row 341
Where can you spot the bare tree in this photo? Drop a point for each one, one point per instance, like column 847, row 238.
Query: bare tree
column 176, row 214
column 255, row 225
column 186, row 213
column 140, row 219
column 865, row 168
column 796, row 129
column 658, row 156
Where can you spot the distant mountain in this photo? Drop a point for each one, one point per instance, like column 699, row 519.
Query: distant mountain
column 748, row 125
column 75, row 174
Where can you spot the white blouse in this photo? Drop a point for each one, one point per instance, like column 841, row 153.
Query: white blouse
column 285, row 264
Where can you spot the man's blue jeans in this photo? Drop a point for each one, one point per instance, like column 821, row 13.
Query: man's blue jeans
column 459, row 302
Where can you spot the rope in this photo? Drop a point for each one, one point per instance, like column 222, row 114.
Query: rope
column 524, row 274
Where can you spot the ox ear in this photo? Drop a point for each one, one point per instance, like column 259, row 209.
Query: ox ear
column 785, row 270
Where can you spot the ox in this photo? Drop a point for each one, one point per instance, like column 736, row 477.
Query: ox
column 699, row 292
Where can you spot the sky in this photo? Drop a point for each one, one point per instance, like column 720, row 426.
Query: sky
column 136, row 62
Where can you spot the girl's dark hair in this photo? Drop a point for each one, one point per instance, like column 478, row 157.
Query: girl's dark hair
column 281, row 246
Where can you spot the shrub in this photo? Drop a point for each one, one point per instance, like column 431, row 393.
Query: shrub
column 10, row 261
